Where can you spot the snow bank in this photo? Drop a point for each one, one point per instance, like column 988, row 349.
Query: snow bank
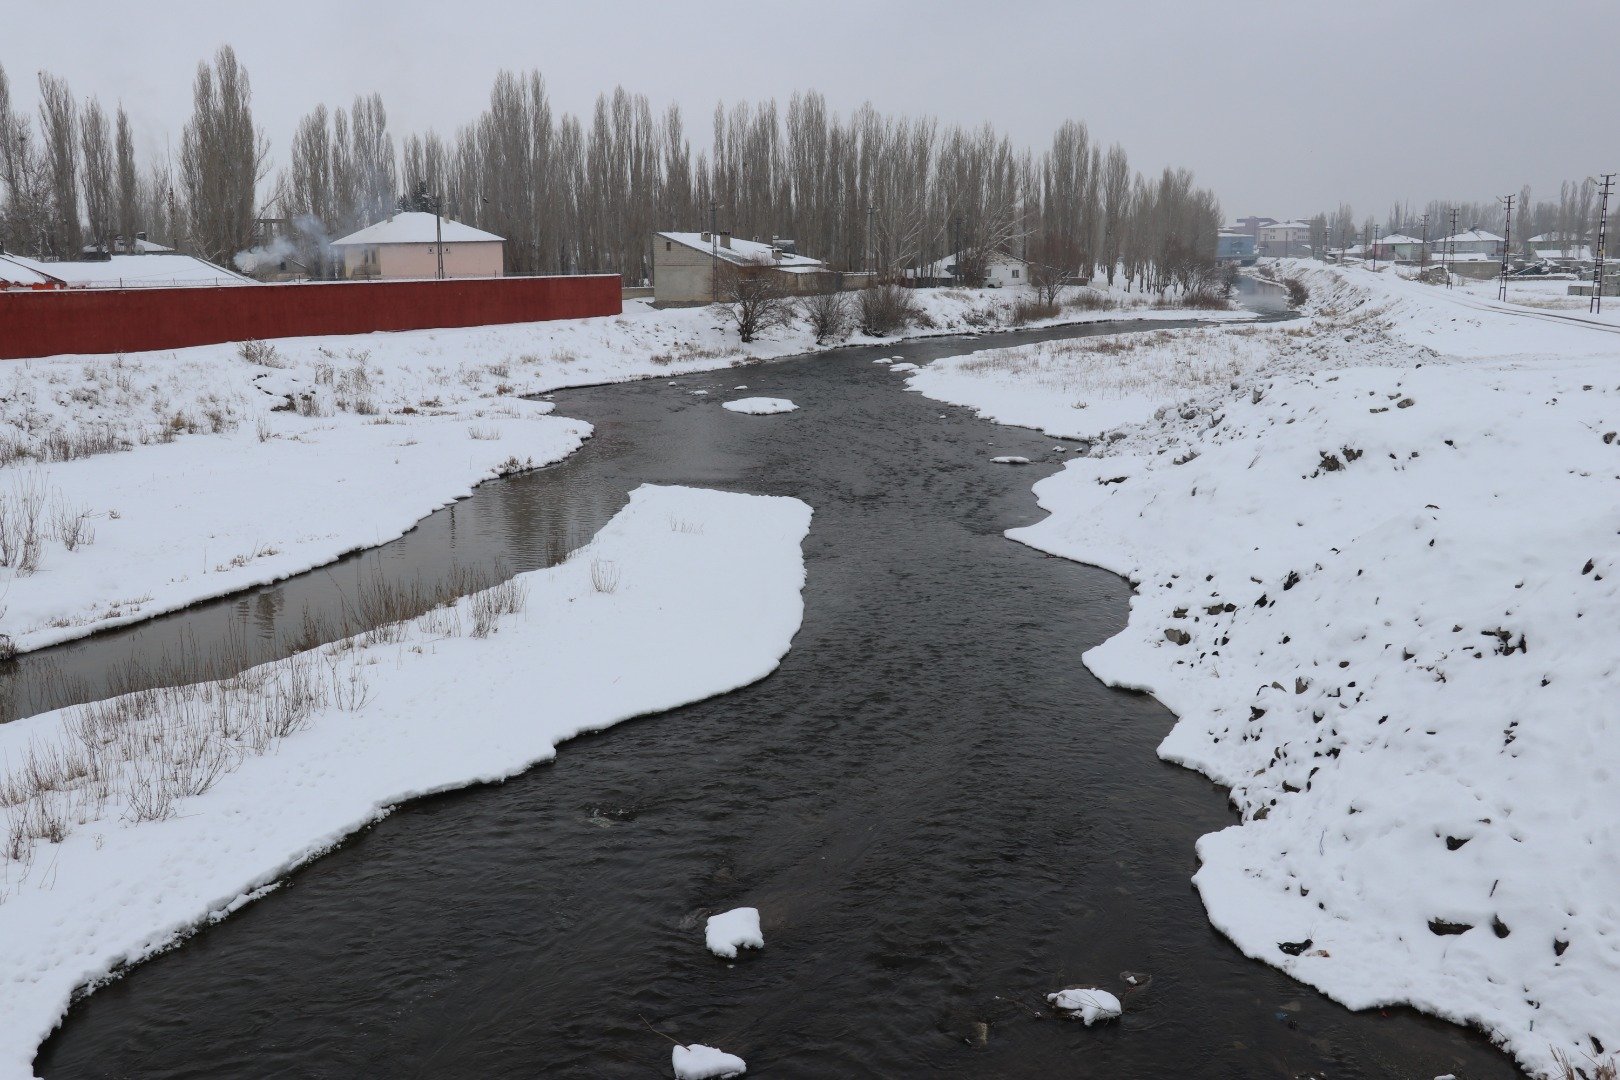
column 1378, row 584
column 1086, row 1005
column 1010, row 459
column 729, row 931
column 693, row 612
column 699, row 1062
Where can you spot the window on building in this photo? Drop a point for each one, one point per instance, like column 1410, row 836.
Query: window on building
column 1015, row 273
column 666, row 245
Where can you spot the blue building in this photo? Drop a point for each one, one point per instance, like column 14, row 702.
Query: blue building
column 1235, row 247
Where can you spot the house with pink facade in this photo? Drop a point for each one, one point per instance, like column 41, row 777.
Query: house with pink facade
column 407, row 245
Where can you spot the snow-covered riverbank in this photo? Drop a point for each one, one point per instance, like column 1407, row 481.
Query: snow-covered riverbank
column 144, row 483
column 173, row 807
column 1377, row 582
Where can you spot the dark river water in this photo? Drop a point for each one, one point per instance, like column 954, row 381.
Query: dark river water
column 939, row 812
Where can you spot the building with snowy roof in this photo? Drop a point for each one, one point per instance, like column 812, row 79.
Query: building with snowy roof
column 407, row 245
column 1398, row 247
column 22, row 274
column 1563, row 248
column 1000, row 269
column 1473, row 242
column 1285, row 238
column 685, row 265
column 149, row 271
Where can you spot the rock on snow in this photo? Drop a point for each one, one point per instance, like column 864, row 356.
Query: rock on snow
column 759, row 406
column 730, row 930
column 699, row 1062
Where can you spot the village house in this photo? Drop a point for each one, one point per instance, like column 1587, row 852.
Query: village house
column 1001, row 270
column 159, row 268
column 1398, row 247
column 1476, row 253
column 684, row 265
column 1562, row 249
column 407, row 244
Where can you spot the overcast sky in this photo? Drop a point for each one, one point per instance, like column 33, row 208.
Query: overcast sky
column 1282, row 107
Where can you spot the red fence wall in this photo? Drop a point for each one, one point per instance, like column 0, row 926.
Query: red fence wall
column 135, row 320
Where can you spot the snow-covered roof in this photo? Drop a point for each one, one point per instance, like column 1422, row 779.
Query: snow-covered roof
column 142, row 247
column 1472, row 236
column 17, row 271
column 1396, row 238
column 134, row 271
column 415, row 227
column 742, row 252
column 1286, row 225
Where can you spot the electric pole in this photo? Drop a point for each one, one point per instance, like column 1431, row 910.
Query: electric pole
column 1451, row 241
column 871, row 248
column 1423, row 247
column 714, row 255
column 1375, row 248
column 1596, row 305
column 1507, row 245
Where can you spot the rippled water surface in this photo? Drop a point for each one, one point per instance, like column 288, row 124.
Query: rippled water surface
column 940, row 814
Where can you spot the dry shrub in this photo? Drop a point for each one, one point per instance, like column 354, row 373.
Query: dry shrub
column 887, row 309
column 828, row 315
column 261, row 353
column 1028, row 311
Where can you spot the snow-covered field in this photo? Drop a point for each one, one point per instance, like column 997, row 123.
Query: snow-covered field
column 1379, row 584
column 135, row 485
column 133, row 820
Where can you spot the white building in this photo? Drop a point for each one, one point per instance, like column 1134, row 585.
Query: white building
column 1285, row 238
column 1561, row 248
column 1001, row 270
column 407, row 244
column 1473, row 242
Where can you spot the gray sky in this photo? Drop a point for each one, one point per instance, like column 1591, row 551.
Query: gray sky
column 1282, row 107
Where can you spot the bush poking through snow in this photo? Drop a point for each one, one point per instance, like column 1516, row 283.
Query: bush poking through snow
column 262, row 353
column 604, row 576
column 886, row 310
column 828, row 315
column 729, row 931
column 699, row 1062
column 507, row 598
column 1087, row 1005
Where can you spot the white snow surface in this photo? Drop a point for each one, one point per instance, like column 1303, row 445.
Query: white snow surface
column 217, row 491
column 1086, row 1004
column 1378, row 583
column 729, row 931
column 697, row 612
column 759, row 406
column 699, row 1062
column 1010, row 459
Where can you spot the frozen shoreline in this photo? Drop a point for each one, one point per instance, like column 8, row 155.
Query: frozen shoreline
column 1374, row 562
column 704, row 598
column 243, row 473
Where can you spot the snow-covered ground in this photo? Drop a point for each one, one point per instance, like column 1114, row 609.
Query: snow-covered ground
column 1378, row 582
column 135, row 485
column 133, row 820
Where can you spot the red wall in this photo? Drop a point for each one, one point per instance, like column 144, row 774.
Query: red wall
column 135, row 320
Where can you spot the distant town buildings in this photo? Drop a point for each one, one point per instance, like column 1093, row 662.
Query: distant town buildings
column 1232, row 246
column 1284, row 238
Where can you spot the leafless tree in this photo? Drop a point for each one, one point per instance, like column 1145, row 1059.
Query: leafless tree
column 100, row 199
column 828, row 314
column 128, row 181
column 1053, row 264
column 222, row 159
column 59, row 125
column 756, row 297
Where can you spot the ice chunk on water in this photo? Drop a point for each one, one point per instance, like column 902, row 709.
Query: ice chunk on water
column 731, row 930
column 699, row 1062
column 1087, row 1005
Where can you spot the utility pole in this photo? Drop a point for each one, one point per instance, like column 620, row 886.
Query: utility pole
column 1596, row 305
column 1423, row 247
column 1375, row 248
column 714, row 254
column 438, row 228
column 1451, row 240
column 1507, row 245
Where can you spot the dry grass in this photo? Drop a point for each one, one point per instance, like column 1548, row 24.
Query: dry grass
column 604, row 576
column 1122, row 364
column 1593, row 1069
column 261, row 353
column 140, row 754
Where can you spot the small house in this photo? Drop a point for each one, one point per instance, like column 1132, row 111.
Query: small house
column 1398, row 247
column 685, row 265
column 408, row 245
column 1000, row 269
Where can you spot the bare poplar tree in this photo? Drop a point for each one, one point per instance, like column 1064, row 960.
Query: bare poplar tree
column 128, row 180
column 59, row 124
column 100, row 199
column 222, row 159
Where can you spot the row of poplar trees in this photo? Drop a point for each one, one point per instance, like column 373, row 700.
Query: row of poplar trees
column 586, row 194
